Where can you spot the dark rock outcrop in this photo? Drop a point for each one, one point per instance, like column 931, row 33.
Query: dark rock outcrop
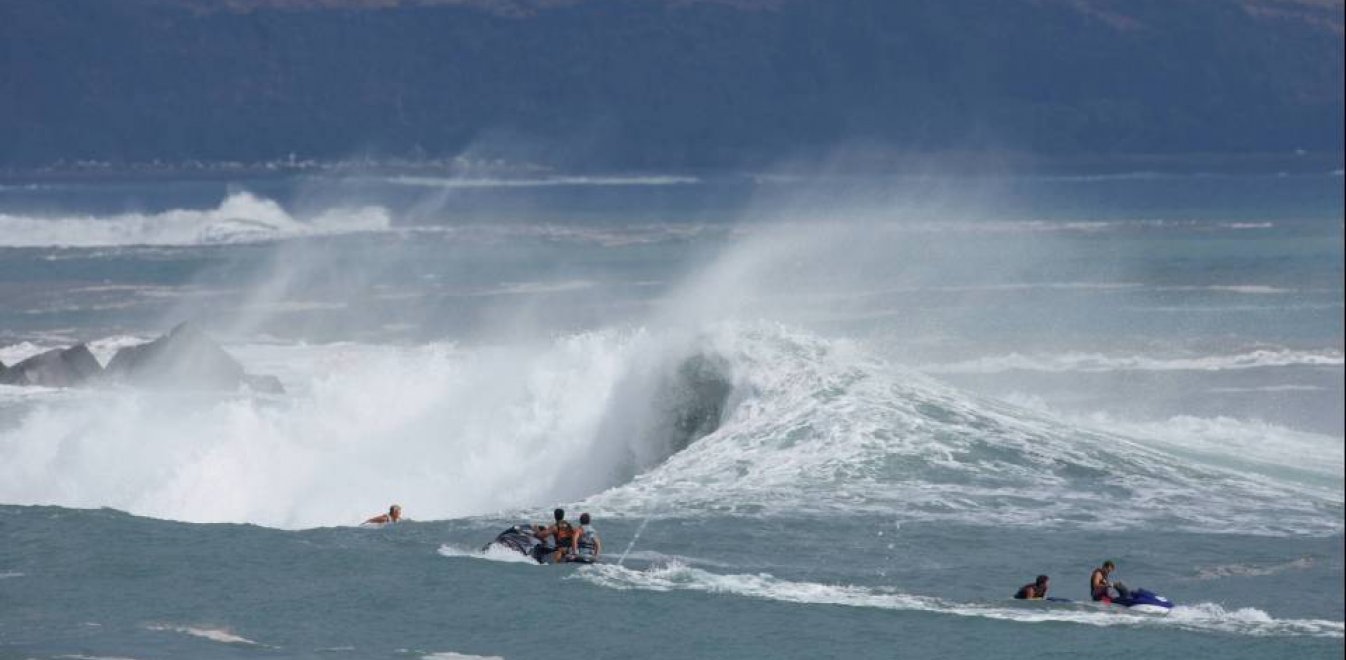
column 59, row 367
column 185, row 357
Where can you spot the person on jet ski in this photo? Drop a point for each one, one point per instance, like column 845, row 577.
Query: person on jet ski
column 561, row 536
column 1099, row 584
column 586, row 546
column 1036, row 590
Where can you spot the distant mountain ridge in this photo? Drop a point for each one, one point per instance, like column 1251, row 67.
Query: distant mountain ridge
column 665, row 84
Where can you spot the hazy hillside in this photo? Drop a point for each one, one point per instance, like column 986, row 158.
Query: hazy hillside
column 662, row 83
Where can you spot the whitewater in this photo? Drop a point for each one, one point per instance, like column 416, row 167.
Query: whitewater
column 805, row 429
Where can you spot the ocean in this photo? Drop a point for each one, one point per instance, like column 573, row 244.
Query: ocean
column 812, row 415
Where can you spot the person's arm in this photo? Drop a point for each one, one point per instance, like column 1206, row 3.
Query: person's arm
column 598, row 547
column 575, row 543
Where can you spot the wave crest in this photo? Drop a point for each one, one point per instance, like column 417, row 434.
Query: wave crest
column 240, row 218
column 744, row 419
column 1098, row 363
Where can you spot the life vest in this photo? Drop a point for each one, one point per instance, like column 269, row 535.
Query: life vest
column 1099, row 593
column 564, row 532
column 588, row 542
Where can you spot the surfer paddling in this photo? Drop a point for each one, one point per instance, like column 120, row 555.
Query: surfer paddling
column 394, row 514
column 1035, row 590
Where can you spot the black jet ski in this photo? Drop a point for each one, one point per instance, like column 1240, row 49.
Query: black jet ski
column 523, row 539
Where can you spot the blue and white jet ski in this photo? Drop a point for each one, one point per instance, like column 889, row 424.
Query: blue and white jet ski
column 1142, row 600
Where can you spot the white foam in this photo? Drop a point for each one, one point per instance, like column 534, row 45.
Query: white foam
column 1098, row 362
column 824, row 428
column 1253, row 570
column 102, row 349
column 1236, row 441
column 1205, row 617
column 16, row 353
column 220, row 635
column 5, row 575
column 811, row 425
column 450, row 655
column 444, row 432
column 543, row 182
column 1251, row 289
column 1310, row 462
column 493, row 552
column 528, row 288
column 95, row 657
column 240, row 218
column 1267, row 389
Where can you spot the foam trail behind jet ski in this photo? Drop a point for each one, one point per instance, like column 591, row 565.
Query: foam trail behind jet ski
column 1199, row 617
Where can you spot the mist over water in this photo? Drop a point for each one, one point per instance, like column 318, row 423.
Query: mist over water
column 921, row 369
column 473, row 353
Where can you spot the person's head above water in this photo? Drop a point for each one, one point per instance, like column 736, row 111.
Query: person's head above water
column 1042, row 581
column 1108, row 566
column 395, row 511
column 560, row 514
column 584, row 518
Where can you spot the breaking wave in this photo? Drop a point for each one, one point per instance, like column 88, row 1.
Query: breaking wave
column 213, row 634
column 541, row 182
column 745, row 419
column 1098, row 362
column 241, row 218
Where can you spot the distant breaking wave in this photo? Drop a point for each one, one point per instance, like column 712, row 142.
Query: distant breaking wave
column 1097, row 362
column 240, row 218
column 469, row 182
column 212, row 634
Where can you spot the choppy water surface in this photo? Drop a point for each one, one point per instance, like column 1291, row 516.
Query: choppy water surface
column 831, row 417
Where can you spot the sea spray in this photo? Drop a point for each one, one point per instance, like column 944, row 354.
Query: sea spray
column 808, row 425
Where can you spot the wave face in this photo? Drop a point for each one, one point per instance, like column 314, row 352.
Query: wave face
column 737, row 418
column 823, row 427
column 1098, row 363
column 240, row 218
column 446, row 432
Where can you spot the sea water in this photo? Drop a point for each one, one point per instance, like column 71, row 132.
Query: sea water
column 812, row 416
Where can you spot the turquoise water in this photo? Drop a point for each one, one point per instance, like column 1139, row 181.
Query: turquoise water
column 100, row 583
column 828, row 418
